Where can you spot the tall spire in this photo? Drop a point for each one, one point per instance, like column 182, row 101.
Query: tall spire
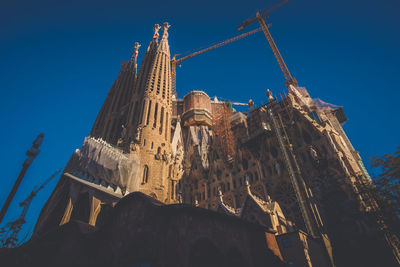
column 111, row 120
column 149, row 121
column 147, row 61
column 164, row 46
column 156, row 28
column 133, row 60
column 154, row 42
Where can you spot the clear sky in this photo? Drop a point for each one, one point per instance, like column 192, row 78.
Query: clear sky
column 59, row 58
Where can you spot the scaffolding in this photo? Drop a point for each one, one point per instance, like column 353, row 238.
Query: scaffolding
column 222, row 129
column 294, row 171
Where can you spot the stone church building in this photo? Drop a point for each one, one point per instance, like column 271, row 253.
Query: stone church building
column 164, row 181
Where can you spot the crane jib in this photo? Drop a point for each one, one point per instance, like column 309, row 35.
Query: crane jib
column 175, row 62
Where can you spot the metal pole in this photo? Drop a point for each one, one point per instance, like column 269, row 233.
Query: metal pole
column 31, row 153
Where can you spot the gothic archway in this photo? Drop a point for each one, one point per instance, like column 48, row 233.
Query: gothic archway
column 81, row 208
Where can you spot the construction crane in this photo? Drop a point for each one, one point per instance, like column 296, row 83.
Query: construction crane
column 9, row 233
column 279, row 128
column 175, row 61
column 260, row 18
column 31, row 153
column 239, row 104
column 217, row 99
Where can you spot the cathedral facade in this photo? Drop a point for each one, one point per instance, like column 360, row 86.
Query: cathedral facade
column 285, row 165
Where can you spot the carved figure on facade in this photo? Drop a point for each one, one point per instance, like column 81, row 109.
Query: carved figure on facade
column 165, row 157
column 269, row 95
column 123, row 137
column 158, row 155
column 133, row 146
column 136, row 49
column 313, row 153
column 156, row 28
column 165, row 28
column 138, row 134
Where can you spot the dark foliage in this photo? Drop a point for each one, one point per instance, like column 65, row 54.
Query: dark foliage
column 386, row 188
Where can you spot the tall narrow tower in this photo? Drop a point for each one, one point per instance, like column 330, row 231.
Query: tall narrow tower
column 151, row 126
column 110, row 121
column 129, row 148
column 136, row 100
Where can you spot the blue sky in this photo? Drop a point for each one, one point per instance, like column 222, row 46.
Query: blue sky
column 59, row 58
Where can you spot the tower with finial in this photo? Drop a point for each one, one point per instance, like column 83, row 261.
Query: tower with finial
column 129, row 147
column 133, row 59
column 110, row 122
column 149, row 121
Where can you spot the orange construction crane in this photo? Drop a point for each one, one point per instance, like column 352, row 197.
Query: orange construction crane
column 260, row 18
column 175, row 62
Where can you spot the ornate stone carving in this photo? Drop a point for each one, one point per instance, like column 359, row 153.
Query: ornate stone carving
column 156, row 28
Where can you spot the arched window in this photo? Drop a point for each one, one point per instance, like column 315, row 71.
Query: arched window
column 166, row 126
column 161, row 120
column 145, row 174
column 172, row 189
column 148, row 114
column 81, row 208
column 155, row 116
column 170, row 171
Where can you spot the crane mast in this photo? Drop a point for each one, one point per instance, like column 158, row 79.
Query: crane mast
column 31, row 153
column 175, row 62
column 295, row 176
column 286, row 73
column 9, row 233
column 260, row 18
